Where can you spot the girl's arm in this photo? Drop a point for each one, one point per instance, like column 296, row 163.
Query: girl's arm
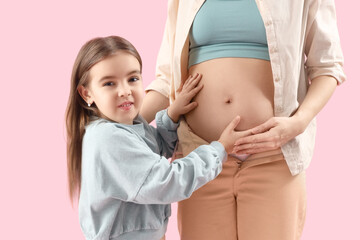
column 166, row 121
column 167, row 183
column 119, row 164
column 176, row 181
column 165, row 133
column 123, row 167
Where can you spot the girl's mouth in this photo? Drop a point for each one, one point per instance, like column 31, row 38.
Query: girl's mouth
column 126, row 105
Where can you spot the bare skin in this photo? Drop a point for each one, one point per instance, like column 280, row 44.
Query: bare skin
column 244, row 87
column 183, row 105
column 232, row 86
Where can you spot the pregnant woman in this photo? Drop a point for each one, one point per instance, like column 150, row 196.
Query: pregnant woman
column 275, row 63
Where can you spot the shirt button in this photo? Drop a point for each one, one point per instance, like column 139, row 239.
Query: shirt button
column 277, row 79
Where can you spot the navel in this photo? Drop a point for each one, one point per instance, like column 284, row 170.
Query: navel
column 228, row 100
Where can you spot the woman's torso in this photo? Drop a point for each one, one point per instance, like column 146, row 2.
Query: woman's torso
column 230, row 36
column 286, row 48
column 232, row 86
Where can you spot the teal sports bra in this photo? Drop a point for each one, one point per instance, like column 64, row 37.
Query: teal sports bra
column 227, row 28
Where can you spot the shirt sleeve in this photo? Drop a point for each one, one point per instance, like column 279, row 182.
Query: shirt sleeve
column 322, row 46
column 161, row 83
column 128, row 170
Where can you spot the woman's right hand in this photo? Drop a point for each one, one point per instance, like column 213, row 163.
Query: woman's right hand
column 229, row 136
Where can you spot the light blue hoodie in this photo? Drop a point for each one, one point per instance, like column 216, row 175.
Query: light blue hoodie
column 127, row 183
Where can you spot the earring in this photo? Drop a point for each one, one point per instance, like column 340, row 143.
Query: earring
column 89, row 104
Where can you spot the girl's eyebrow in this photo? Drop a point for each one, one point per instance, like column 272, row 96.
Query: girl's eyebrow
column 106, row 78
column 111, row 77
column 134, row 71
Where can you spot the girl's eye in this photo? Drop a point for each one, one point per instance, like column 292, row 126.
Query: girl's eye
column 108, row 84
column 134, row 79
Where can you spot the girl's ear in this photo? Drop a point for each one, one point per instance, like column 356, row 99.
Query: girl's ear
column 84, row 93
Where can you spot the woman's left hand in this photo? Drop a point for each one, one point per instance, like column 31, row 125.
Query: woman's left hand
column 269, row 136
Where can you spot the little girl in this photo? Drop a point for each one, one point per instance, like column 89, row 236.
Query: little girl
column 117, row 163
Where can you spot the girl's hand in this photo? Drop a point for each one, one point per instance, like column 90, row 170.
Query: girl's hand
column 270, row 135
column 229, row 135
column 186, row 93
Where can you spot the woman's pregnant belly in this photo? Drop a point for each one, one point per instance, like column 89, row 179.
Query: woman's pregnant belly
column 232, row 86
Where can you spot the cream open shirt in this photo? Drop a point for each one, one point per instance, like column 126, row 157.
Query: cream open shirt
column 303, row 43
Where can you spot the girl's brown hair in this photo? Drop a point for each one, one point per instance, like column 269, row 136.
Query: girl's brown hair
column 78, row 113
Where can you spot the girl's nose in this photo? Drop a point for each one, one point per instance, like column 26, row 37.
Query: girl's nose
column 124, row 91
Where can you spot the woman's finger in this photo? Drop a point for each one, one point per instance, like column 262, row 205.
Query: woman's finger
column 263, row 127
column 242, row 134
column 261, row 137
column 252, row 151
column 251, row 146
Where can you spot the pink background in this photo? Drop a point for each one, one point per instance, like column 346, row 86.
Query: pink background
column 39, row 42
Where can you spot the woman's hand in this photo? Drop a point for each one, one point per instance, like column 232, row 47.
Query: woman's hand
column 279, row 130
column 186, row 93
column 270, row 135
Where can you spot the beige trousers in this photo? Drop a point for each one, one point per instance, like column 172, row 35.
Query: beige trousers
column 255, row 199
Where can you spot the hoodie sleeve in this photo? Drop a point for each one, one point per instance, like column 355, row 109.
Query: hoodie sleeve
column 125, row 168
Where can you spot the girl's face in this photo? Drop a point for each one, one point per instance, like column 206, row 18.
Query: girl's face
column 115, row 87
